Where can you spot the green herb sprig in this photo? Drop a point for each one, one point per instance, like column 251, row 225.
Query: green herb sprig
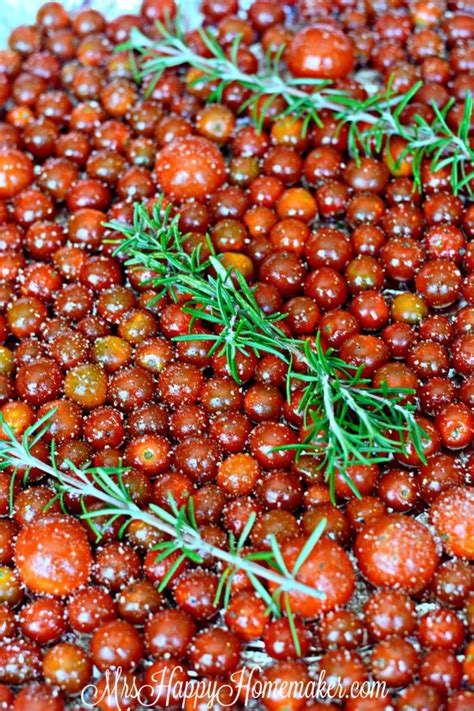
column 178, row 525
column 370, row 122
column 348, row 421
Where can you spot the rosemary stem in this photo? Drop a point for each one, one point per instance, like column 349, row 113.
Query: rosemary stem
column 328, row 404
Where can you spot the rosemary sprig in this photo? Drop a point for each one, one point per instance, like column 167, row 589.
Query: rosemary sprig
column 348, row 420
column 380, row 422
column 179, row 526
column 371, row 122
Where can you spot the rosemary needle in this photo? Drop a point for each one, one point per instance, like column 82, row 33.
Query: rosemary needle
column 347, row 420
column 370, row 121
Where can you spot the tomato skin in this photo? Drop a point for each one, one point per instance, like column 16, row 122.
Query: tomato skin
column 398, row 552
column 452, row 515
column 320, row 51
column 20, row 661
column 455, row 423
column 16, row 172
column 153, row 10
column 327, row 569
column 53, row 555
column 191, row 167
